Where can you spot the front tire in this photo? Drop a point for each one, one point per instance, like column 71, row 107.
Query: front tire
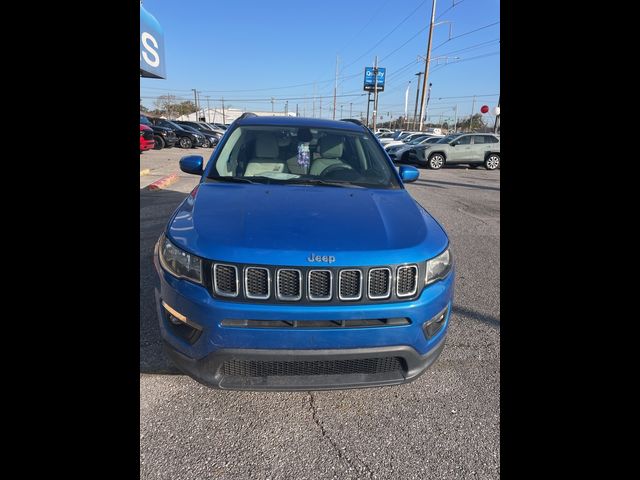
column 436, row 161
column 185, row 142
column 206, row 143
column 492, row 162
column 159, row 145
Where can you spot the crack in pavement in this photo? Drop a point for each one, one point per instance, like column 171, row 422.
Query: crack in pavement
column 342, row 455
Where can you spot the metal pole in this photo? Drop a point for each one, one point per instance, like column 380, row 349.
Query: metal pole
column 195, row 100
column 426, row 63
column 320, row 107
column 335, row 90
column 456, row 125
column 224, row 120
column 415, row 110
column 473, row 106
column 272, row 103
column 368, row 102
column 350, row 109
column 208, row 110
column 375, row 92
column 497, row 122
column 341, row 110
column 406, row 101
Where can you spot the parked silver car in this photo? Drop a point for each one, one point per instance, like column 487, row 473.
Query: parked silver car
column 474, row 149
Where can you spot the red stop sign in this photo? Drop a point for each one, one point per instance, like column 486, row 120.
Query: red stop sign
column 484, row 108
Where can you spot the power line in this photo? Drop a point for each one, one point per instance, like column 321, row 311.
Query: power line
column 387, row 35
column 452, row 6
column 467, row 33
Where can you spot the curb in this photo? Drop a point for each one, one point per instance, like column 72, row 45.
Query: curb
column 144, row 172
column 163, row 182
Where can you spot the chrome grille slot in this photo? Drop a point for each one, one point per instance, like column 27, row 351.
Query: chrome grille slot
column 289, row 284
column 406, row 280
column 257, row 283
column 225, row 280
column 379, row 283
column 350, row 285
column 320, row 285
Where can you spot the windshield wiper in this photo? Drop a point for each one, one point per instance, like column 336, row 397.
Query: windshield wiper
column 317, row 181
column 240, row 179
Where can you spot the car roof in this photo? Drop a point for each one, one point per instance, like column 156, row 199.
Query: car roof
column 299, row 122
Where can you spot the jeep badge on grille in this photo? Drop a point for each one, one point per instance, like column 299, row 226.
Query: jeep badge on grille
column 324, row 258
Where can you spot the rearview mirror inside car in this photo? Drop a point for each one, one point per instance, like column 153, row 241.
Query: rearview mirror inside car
column 191, row 164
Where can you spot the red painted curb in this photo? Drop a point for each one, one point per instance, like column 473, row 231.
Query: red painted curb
column 163, row 182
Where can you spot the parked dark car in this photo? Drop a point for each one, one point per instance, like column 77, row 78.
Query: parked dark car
column 146, row 138
column 164, row 137
column 186, row 138
column 211, row 138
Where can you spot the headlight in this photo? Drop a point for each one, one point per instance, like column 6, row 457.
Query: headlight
column 439, row 267
column 178, row 262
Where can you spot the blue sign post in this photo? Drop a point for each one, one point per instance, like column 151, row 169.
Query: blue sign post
column 151, row 46
column 369, row 79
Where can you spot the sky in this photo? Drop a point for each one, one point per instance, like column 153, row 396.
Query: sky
column 250, row 51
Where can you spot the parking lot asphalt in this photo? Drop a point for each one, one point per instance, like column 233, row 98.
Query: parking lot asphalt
column 446, row 424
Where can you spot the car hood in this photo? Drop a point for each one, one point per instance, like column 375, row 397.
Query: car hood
column 283, row 225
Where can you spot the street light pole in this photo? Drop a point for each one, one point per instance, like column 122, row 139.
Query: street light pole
column 415, row 110
column 406, row 100
column 426, row 62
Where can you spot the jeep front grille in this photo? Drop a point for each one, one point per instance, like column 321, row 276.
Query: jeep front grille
column 225, row 280
column 407, row 280
column 320, row 285
column 257, row 283
column 315, row 286
column 289, row 284
column 350, row 287
column 379, row 283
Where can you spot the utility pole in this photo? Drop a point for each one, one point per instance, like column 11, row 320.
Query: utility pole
column 224, row 120
column 473, row 106
column 368, row 102
column 497, row 122
column 426, row 63
column 406, row 100
column 297, row 110
column 341, row 110
column 286, row 107
column 351, row 109
column 375, row 92
column 272, row 104
column 208, row 110
column 415, row 110
column 320, row 107
column 335, row 90
column 455, row 128
column 195, row 100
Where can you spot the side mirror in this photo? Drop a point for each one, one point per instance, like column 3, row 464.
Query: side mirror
column 191, row 164
column 408, row 173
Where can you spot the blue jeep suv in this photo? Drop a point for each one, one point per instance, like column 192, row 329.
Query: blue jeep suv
column 300, row 262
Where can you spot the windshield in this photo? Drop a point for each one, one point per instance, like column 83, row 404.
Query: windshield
column 448, row 138
column 417, row 140
column 144, row 120
column 300, row 155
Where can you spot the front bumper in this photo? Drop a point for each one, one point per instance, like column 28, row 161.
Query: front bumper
column 245, row 358
column 147, row 144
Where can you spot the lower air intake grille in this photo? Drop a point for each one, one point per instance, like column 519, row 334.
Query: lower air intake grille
column 407, row 281
column 256, row 368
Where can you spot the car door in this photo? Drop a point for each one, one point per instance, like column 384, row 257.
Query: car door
column 479, row 147
column 461, row 151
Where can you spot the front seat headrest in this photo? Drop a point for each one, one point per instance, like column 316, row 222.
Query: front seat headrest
column 331, row 146
column 266, row 146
